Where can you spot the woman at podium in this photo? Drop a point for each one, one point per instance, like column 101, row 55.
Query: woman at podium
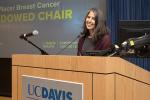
column 95, row 34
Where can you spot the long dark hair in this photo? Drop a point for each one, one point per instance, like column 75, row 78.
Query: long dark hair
column 100, row 25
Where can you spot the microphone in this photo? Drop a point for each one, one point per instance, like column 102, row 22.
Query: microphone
column 35, row 32
column 78, row 36
column 124, row 44
column 116, row 50
column 23, row 36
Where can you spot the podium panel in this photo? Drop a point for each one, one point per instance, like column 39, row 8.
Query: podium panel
column 103, row 78
column 86, row 78
column 103, row 87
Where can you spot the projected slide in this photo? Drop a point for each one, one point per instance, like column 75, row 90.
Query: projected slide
column 57, row 21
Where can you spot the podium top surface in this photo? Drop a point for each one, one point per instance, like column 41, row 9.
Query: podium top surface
column 88, row 64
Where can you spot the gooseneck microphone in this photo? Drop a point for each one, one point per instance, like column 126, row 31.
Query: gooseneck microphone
column 116, row 50
column 59, row 52
column 35, row 32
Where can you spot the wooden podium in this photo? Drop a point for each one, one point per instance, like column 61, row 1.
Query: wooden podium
column 104, row 78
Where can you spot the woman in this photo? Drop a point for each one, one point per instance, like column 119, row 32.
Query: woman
column 95, row 35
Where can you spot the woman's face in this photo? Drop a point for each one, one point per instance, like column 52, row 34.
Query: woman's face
column 90, row 21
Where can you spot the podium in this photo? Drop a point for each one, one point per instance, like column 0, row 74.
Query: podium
column 103, row 78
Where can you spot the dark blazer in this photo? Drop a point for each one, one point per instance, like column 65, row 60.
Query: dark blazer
column 102, row 44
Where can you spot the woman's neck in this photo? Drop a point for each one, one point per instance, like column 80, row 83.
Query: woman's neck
column 91, row 33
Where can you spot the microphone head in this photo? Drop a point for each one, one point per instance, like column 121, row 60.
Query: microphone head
column 124, row 44
column 116, row 47
column 35, row 32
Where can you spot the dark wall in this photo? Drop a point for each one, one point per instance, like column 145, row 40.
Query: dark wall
column 5, row 76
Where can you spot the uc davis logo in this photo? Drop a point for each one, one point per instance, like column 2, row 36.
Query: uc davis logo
column 38, row 88
column 48, row 94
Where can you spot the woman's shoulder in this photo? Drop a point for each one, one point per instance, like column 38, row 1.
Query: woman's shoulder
column 106, row 36
column 82, row 37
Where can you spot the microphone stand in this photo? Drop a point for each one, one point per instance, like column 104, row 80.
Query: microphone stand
column 112, row 54
column 68, row 45
column 41, row 50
